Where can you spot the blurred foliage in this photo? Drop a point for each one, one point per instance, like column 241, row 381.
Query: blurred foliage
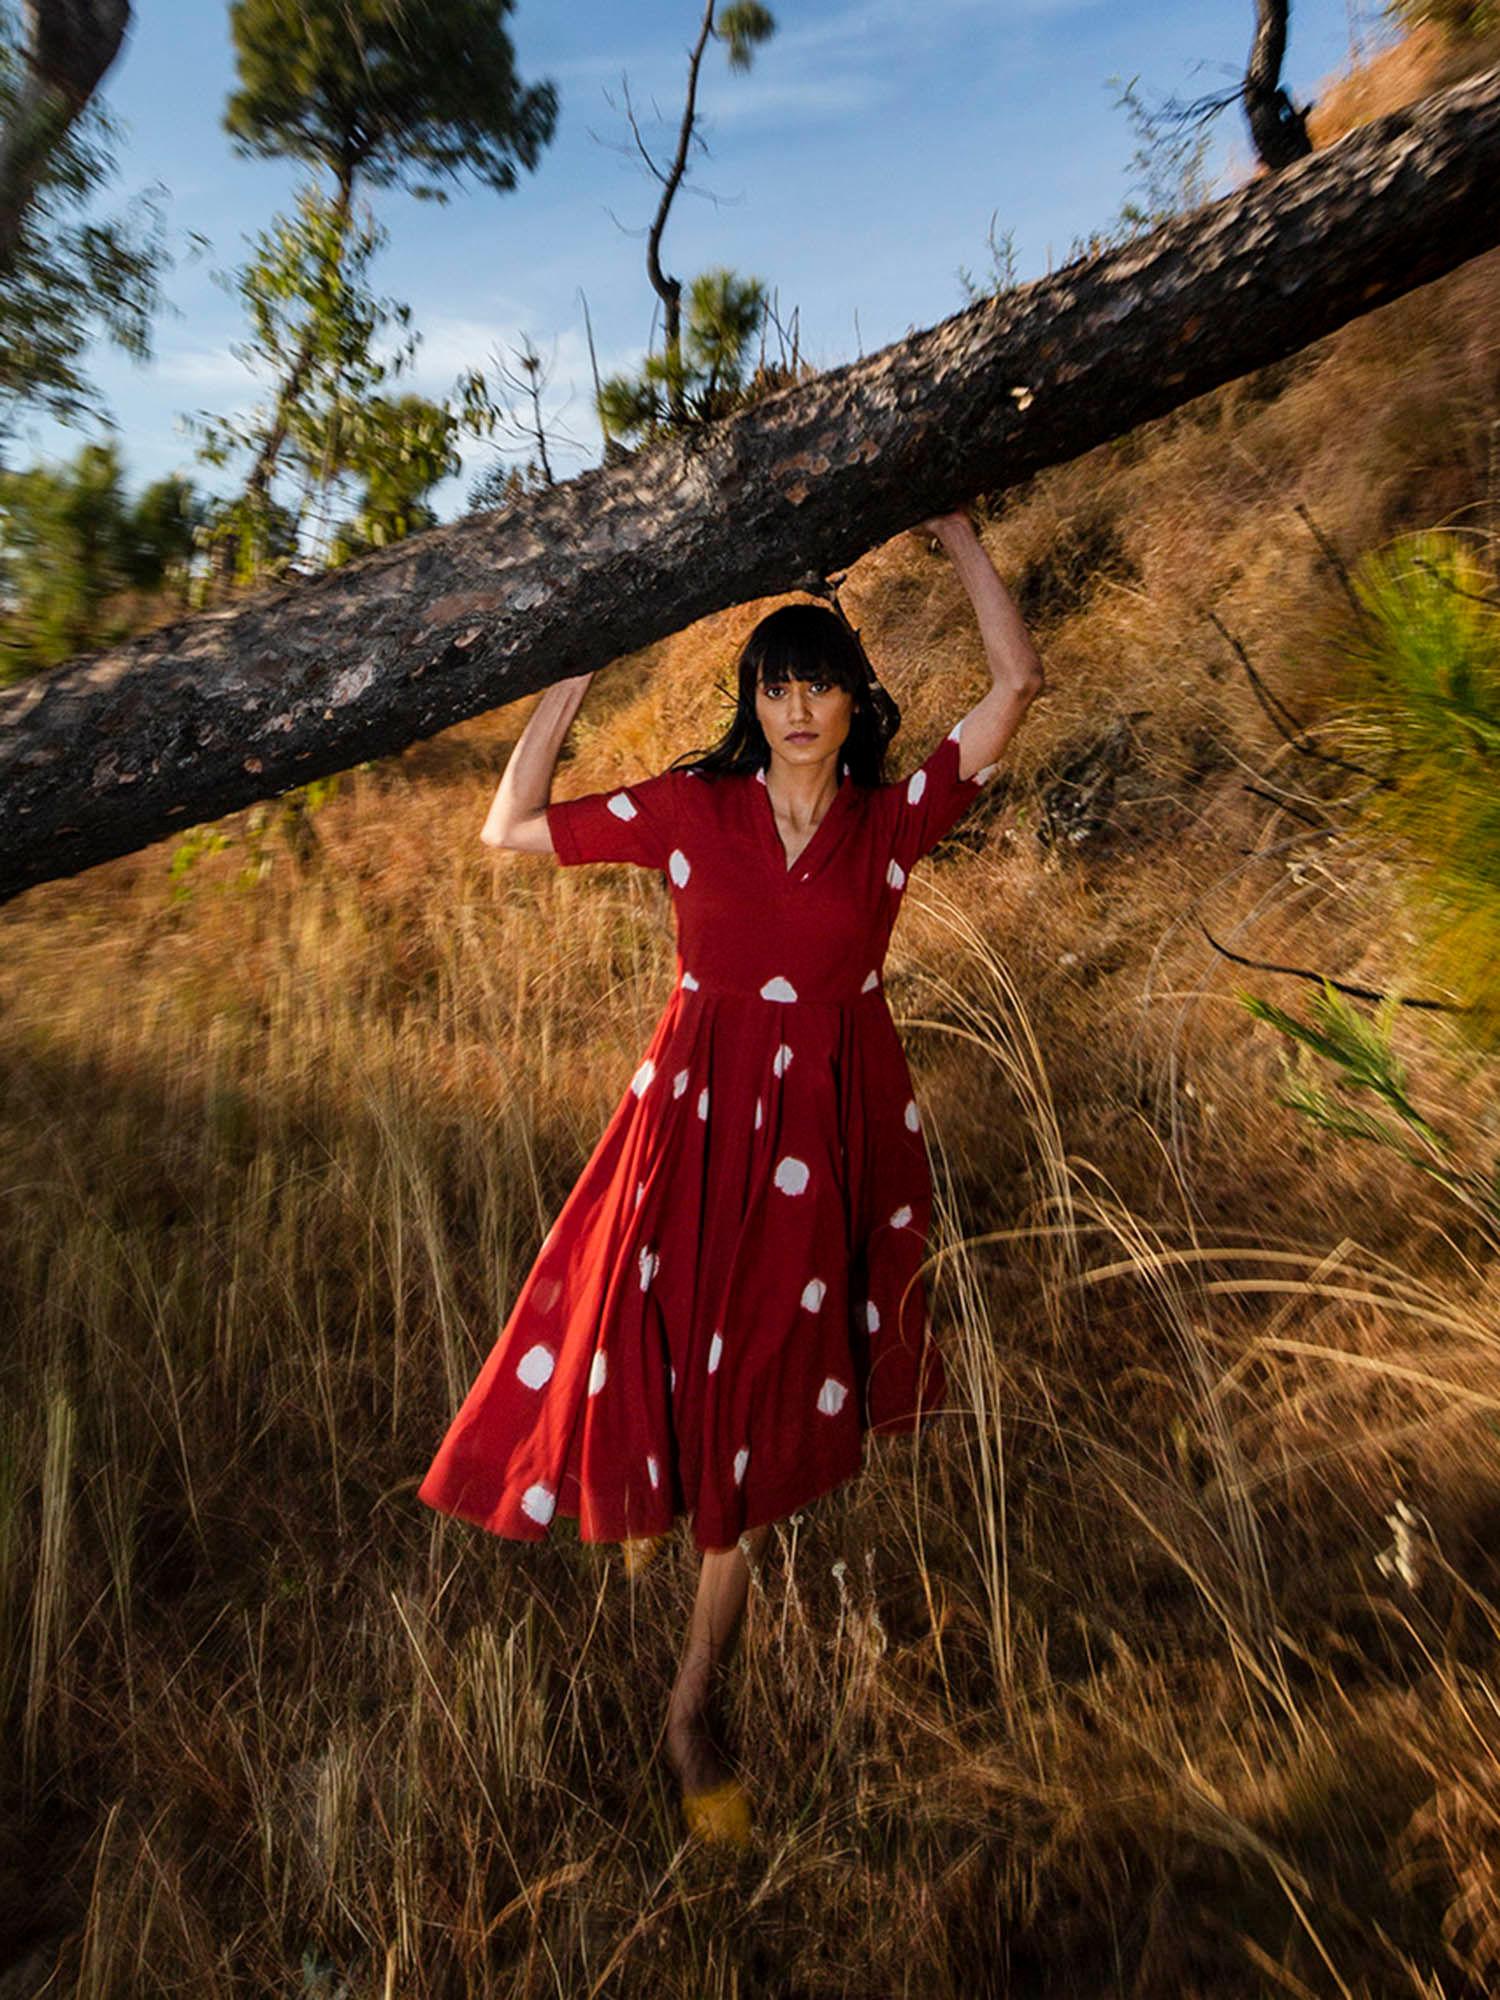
column 411, row 93
column 1422, row 673
column 76, row 276
column 743, row 26
column 322, row 337
column 377, row 93
column 398, row 448
column 503, row 485
column 1420, row 667
column 284, row 822
column 1459, row 18
column 315, row 322
column 81, row 565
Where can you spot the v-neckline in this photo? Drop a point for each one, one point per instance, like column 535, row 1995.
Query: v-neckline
column 792, row 871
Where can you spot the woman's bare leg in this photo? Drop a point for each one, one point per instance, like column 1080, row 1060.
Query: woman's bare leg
column 723, row 1585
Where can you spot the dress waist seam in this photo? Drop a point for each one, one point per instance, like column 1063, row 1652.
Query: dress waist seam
column 860, row 997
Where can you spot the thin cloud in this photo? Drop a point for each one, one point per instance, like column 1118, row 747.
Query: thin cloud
column 203, row 369
column 863, row 27
column 808, row 96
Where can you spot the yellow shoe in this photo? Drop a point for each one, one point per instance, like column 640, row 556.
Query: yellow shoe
column 722, row 1813
column 638, row 1551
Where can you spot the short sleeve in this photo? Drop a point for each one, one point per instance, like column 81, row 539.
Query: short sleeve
column 628, row 823
column 931, row 801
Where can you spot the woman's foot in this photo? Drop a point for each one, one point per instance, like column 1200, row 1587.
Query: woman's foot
column 638, row 1552
column 721, row 1815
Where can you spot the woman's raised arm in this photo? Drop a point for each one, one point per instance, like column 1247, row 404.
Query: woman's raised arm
column 517, row 817
column 1015, row 665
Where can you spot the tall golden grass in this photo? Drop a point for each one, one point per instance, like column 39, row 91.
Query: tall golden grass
column 1167, row 1664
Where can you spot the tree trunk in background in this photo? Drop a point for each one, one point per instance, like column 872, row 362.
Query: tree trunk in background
column 1277, row 127
column 69, row 46
column 225, row 557
column 191, row 721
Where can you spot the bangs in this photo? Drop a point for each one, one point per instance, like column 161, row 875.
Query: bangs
column 793, row 652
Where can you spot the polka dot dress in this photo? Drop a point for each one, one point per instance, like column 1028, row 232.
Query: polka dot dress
column 729, row 1298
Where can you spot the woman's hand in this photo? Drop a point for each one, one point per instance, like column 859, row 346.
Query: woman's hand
column 942, row 526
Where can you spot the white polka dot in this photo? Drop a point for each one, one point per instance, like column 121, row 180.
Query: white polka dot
column 672, row 1378
column 791, row 1175
column 640, row 1189
column 621, row 806
column 679, row 1083
column 677, row 866
column 871, row 980
column 642, row 1077
column 534, row 1366
column 547, row 1293
column 761, row 775
column 715, row 1349
column 916, row 784
column 703, row 1102
column 901, row 1217
column 649, row 1262
column 778, row 989
column 912, row 1115
column 538, row 1501
column 653, row 1469
column 872, row 1315
column 896, row 875
column 985, row 772
column 956, row 731
column 812, row 1294
column 757, row 1114
column 598, row 1372
column 689, row 982
column 780, row 1060
column 831, row 1396
column 741, row 1460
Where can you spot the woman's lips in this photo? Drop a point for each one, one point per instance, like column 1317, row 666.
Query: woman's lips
column 803, row 736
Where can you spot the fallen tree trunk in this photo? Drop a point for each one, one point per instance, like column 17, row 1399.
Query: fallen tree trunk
column 103, row 755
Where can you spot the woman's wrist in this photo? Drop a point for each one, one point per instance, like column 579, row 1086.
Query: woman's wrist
column 954, row 529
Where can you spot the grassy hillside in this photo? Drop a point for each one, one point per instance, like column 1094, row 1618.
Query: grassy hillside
column 1132, row 1678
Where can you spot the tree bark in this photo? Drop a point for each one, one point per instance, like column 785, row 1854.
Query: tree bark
column 69, row 46
column 103, row 755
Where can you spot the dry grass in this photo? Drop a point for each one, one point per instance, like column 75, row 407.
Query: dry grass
column 1104, row 1688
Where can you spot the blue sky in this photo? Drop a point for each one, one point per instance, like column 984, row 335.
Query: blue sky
column 854, row 169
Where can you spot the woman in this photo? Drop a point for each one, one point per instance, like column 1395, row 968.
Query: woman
column 731, row 1296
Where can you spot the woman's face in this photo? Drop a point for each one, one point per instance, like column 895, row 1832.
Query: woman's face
column 805, row 721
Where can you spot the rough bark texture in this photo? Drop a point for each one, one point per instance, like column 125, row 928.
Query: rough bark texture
column 104, row 755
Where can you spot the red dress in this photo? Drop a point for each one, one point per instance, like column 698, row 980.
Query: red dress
column 730, row 1296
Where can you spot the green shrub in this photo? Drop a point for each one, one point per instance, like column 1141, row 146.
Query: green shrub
column 1423, row 665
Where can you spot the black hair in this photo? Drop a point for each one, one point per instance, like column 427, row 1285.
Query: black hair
column 803, row 642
